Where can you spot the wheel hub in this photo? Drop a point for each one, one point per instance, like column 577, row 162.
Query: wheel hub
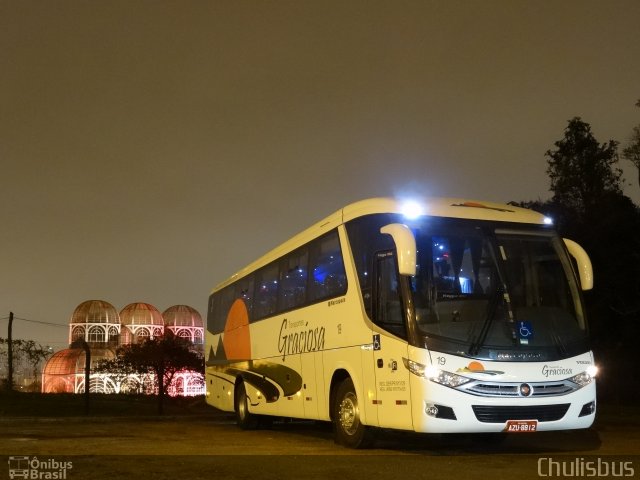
column 348, row 414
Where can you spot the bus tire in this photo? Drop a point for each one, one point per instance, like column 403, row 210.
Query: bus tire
column 347, row 427
column 244, row 418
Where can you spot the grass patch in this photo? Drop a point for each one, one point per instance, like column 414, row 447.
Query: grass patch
column 20, row 404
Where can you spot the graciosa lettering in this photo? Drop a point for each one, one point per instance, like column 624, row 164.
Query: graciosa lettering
column 291, row 343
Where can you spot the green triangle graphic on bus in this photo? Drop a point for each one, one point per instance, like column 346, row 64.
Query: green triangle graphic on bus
column 220, row 355
column 217, row 356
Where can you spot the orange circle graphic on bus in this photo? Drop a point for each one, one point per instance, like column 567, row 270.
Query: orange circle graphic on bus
column 476, row 366
column 237, row 341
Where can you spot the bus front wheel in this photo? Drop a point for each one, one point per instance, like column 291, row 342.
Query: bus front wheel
column 244, row 418
column 348, row 429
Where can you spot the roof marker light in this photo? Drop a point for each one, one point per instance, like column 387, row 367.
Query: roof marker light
column 412, row 209
column 548, row 221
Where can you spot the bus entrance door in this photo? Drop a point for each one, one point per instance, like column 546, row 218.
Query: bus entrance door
column 390, row 347
column 393, row 394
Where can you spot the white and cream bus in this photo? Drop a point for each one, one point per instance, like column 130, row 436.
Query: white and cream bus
column 448, row 316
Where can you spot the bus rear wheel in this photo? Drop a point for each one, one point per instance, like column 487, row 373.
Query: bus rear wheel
column 348, row 429
column 244, row 418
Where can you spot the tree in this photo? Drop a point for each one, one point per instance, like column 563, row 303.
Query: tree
column 161, row 356
column 29, row 351
column 581, row 170
column 632, row 151
column 588, row 206
column 35, row 354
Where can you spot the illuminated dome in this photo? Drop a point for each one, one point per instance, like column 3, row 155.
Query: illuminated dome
column 95, row 321
column 64, row 371
column 182, row 316
column 96, row 324
column 185, row 322
column 95, row 311
column 141, row 314
column 65, row 362
column 140, row 321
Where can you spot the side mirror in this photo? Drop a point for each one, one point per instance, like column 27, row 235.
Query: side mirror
column 405, row 247
column 585, row 270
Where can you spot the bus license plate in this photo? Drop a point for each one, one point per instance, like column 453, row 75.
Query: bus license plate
column 521, row 426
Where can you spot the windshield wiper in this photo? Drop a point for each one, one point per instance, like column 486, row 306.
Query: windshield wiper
column 490, row 314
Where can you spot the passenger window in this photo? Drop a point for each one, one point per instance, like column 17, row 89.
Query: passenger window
column 219, row 306
column 327, row 269
column 293, row 280
column 244, row 290
column 266, row 296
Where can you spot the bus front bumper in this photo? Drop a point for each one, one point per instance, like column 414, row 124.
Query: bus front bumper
column 445, row 410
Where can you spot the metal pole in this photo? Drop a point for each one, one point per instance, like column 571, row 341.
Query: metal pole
column 82, row 343
column 10, row 353
column 87, row 375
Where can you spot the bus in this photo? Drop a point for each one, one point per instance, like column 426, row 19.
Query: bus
column 445, row 316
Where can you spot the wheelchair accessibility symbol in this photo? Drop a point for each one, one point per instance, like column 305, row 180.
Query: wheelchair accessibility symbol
column 525, row 331
column 376, row 341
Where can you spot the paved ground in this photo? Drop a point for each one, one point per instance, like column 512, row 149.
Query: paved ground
column 213, row 447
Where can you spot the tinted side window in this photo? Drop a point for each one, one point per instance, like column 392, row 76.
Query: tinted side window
column 219, row 305
column 293, row 280
column 388, row 307
column 211, row 323
column 366, row 240
column 266, row 294
column 328, row 278
column 244, row 290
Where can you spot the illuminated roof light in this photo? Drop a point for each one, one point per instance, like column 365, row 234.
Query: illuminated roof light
column 412, row 209
column 592, row 370
column 548, row 221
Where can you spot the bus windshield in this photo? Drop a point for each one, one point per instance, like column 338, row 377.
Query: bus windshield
column 499, row 294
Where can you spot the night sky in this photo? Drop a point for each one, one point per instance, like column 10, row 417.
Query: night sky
column 149, row 149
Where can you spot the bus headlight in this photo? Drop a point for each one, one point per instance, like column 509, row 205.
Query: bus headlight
column 434, row 374
column 449, row 379
column 582, row 379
